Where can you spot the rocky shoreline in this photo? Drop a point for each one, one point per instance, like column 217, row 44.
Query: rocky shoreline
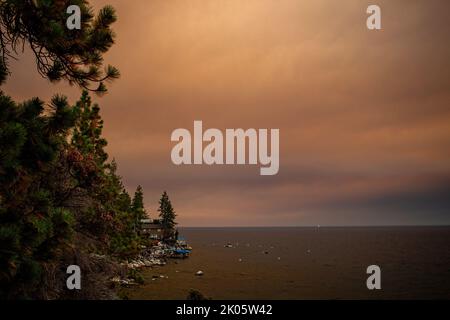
column 150, row 257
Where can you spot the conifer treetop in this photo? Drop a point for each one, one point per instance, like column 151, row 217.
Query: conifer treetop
column 166, row 212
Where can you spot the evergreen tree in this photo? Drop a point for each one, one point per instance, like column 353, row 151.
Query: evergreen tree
column 167, row 216
column 87, row 135
column 51, row 189
column 111, row 216
column 138, row 207
column 33, row 227
column 60, row 53
column 124, row 239
column 57, row 187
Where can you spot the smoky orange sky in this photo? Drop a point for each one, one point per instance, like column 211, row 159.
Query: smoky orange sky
column 363, row 115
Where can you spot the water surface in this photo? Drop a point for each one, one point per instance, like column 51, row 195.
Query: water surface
column 307, row 263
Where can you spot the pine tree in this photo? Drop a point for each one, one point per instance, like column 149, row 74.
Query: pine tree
column 60, row 53
column 167, row 216
column 56, row 183
column 138, row 208
column 33, row 227
column 125, row 241
column 87, row 135
column 111, row 215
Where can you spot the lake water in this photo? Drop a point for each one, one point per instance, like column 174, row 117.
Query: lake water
column 307, row 263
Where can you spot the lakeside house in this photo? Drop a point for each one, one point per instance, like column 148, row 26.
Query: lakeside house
column 152, row 228
column 174, row 246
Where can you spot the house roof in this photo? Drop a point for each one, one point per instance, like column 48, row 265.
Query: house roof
column 149, row 224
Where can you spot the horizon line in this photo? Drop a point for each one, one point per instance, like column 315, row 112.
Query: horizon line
column 323, row 226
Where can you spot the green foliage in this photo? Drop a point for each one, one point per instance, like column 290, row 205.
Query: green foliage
column 112, row 216
column 87, row 133
column 32, row 228
column 61, row 54
column 138, row 208
column 56, row 182
column 167, row 216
